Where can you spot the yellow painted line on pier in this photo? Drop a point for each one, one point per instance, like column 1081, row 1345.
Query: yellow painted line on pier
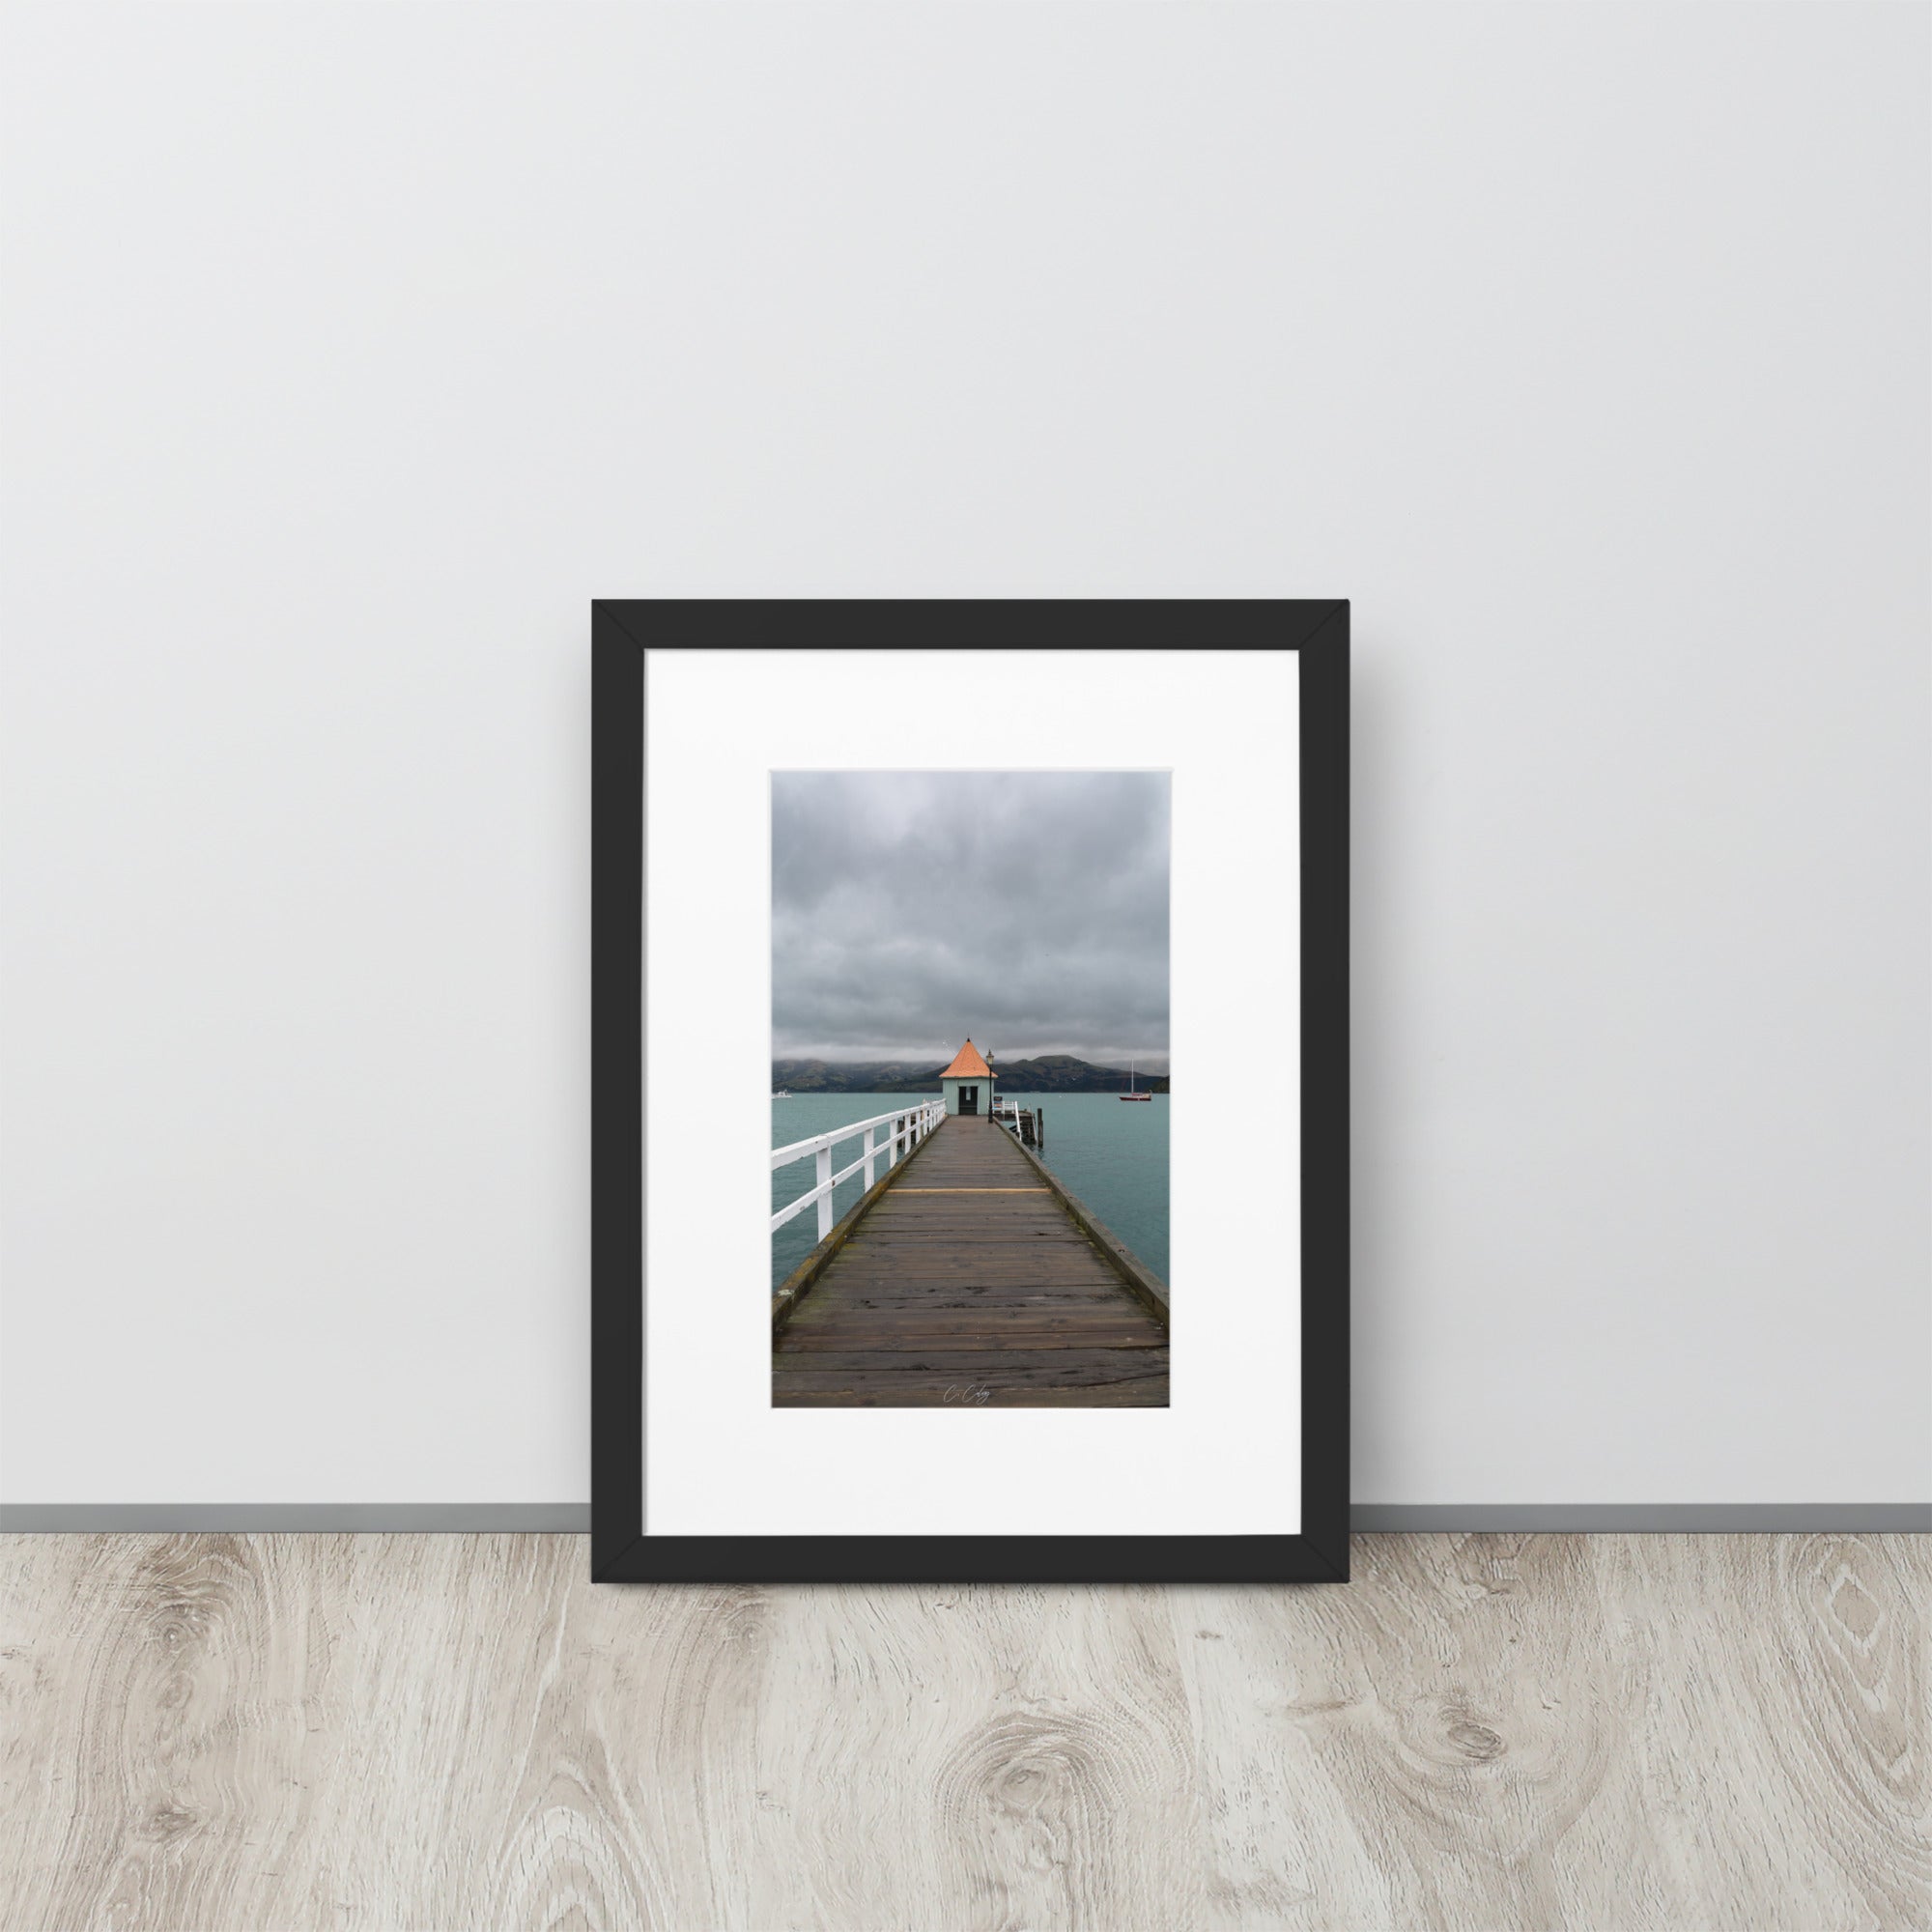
column 971, row 1190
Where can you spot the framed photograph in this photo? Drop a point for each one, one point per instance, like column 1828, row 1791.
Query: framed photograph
column 910, row 1260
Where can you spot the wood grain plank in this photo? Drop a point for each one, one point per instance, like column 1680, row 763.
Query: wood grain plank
column 964, row 1304
column 1058, row 1364
column 1477, row 1734
column 851, row 1336
column 975, row 1257
column 887, row 1391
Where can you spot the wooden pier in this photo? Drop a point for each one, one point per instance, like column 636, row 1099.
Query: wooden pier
column 968, row 1277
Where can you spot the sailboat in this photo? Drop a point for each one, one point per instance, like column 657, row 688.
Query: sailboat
column 1130, row 1094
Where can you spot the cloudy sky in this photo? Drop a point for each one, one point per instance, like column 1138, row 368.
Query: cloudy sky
column 911, row 909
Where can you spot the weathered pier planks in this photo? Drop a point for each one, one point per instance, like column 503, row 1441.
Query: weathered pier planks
column 968, row 1282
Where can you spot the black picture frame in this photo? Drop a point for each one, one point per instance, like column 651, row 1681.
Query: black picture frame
column 621, row 629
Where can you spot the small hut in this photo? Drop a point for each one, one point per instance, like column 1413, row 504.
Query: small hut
column 968, row 1083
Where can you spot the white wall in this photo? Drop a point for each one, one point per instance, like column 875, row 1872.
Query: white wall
column 348, row 351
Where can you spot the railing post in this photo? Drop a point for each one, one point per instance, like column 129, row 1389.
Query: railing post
column 824, row 1170
column 869, row 1131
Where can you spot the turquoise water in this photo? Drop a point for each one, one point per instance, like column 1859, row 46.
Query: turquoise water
column 1112, row 1155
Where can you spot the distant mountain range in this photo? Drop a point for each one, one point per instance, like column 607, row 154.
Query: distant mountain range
column 1050, row 1074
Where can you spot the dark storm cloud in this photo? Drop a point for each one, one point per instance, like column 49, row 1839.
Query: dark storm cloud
column 910, row 909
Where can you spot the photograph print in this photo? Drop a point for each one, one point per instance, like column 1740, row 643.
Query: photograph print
column 969, row 1032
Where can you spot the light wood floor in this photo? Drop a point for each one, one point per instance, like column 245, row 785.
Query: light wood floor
column 200, row 1733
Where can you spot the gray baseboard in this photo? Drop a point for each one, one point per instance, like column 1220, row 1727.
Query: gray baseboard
column 414, row 1518
column 573, row 1519
column 1370, row 1519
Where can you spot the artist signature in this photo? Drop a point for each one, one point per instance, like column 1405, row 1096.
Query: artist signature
column 972, row 1392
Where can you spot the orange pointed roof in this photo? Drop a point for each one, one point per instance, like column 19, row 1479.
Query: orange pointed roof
column 967, row 1065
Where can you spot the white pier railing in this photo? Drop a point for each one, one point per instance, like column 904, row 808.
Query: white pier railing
column 908, row 1125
